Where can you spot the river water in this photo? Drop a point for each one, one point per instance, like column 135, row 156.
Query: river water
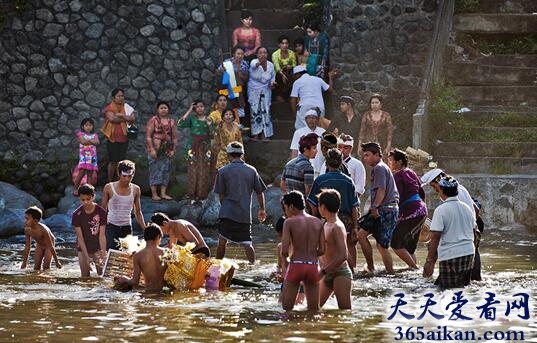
column 58, row 306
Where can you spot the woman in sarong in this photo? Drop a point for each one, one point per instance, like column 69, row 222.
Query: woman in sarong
column 228, row 131
column 262, row 80
column 161, row 141
column 199, row 154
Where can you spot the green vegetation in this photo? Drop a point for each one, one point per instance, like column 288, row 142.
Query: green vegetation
column 313, row 11
column 466, row 6
column 499, row 44
column 446, row 124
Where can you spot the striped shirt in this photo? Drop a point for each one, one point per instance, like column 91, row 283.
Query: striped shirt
column 298, row 173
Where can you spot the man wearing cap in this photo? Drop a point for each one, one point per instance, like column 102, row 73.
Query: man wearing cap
column 384, row 205
column 346, row 121
column 356, row 168
column 349, row 212
column 309, row 89
column 312, row 121
column 298, row 172
column 431, row 178
column 235, row 184
column 452, row 238
column 119, row 199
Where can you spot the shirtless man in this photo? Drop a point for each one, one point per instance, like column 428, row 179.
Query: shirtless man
column 147, row 262
column 181, row 231
column 44, row 239
column 335, row 272
column 305, row 233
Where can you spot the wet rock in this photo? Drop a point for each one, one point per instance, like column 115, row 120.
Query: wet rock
column 12, row 222
column 16, row 198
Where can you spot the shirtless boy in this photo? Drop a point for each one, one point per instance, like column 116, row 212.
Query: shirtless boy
column 44, row 239
column 181, row 231
column 335, row 272
column 305, row 233
column 147, row 262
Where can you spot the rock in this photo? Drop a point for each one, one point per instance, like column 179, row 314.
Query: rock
column 60, row 225
column 171, row 208
column 210, row 210
column 12, row 222
column 198, row 16
column 15, row 198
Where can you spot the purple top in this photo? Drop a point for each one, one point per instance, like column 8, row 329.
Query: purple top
column 411, row 195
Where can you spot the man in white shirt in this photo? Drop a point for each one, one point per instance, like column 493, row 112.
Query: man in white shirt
column 356, row 168
column 309, row 89
column 312, row 121
column 452, row 238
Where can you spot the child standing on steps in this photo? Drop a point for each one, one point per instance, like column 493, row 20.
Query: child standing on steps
column 87, row 155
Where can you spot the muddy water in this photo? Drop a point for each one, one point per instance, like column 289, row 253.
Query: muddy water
column 57, row 306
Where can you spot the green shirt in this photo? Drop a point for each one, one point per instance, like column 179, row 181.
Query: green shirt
column 197, row 127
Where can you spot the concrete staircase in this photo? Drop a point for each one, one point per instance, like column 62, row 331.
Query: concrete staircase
column 499, row 134
column 272, row 18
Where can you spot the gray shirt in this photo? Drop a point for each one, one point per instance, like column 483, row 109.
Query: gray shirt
column 381, row 177
column 236, row 182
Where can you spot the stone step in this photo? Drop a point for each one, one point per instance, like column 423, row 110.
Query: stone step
column 495, row 23
column 502, row 6
column 268, row 18
column 269, row 158
column 499, row 109
column 492, row 95
column 515, row 117
column 254, row 5
column 468, row 74
column 281, row 110
column 527, row 61
column 283, row 129
column 488, row 134
column 486, row 149
column 487, row 165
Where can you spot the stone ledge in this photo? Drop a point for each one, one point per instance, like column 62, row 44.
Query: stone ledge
column 495, row 23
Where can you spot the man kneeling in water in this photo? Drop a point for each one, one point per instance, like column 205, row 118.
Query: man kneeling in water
column 147, row 263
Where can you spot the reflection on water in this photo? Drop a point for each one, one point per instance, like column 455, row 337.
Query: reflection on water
column 58, row 306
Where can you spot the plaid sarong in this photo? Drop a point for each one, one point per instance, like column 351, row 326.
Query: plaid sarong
column 388, row 222
column 456, row 272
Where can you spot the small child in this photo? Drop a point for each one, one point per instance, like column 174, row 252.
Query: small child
column 87, row 159
column 89, row 221
column 301, row 55
column 44, row 239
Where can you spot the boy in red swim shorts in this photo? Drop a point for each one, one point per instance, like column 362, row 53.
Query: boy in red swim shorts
column 305, row 233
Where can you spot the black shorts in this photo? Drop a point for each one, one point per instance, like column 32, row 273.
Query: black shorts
column 114, row 233
column 407, row 233
column 117, row 151
column 234, row 231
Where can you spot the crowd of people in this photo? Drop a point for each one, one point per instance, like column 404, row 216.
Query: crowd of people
column 323, row 181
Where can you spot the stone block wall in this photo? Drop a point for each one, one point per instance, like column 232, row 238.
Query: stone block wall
column 60, row 60
column 382, row 46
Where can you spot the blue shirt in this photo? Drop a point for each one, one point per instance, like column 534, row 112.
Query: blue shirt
column 340, row 182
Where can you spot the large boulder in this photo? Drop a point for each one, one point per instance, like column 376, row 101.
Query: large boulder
column 12, row 197
column 11, row 222
column 60, row 225
column 170, row 207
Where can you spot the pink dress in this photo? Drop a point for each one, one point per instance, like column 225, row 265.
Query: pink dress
column 87, row 159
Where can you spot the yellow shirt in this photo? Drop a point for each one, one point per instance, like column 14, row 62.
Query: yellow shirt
column 279, row 62
column 216, row 117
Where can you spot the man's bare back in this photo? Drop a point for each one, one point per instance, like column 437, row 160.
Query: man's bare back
column 304, row 233
column 147, row 261
column 335, row 248
column 183, row 231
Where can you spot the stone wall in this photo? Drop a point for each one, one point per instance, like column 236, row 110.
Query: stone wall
column 61, row 59
column 382, row 46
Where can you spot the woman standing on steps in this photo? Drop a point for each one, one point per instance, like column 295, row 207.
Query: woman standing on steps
column 262, row 80
column 199, row 153
column 247, row 36
column 228, row 131
column 377, row 125
column 161, row 140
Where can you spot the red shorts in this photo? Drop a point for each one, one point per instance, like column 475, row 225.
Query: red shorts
column 306, row 272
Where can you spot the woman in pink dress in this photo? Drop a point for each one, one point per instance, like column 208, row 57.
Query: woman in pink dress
column 247, row 36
